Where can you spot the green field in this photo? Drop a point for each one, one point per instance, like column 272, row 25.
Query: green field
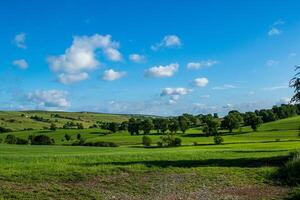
column 238, row 169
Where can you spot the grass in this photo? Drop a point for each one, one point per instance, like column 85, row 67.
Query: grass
column 238, row 169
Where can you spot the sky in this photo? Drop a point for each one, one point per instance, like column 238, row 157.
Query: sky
column 147, row 57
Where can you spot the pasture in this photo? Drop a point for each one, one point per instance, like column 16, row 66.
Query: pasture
column 241, row 168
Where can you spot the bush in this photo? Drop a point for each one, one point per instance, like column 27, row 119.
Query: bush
column 79, row 142
column 42, row 140
column 169, row 141
column 78, row 136
column 5, row 130
column 218, row 139
column 67, row 137
column 290, row 172
column 21, row 141
column 94, row 144
column 10, row 139
column 146, row 141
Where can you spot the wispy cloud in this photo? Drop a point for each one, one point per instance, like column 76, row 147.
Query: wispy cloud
column 169, row 41
column 275, row 88
column 201, row 64
column 19, row 40
column 224, row 87
column 22, row 63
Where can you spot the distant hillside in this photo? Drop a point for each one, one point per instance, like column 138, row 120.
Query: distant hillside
column 19, row 120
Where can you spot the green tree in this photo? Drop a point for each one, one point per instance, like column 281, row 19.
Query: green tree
column 53, row 127
column 67, row 137
column 164, row 125
column 80, row 126
column 133, row 126
column 211, row 126
column 183, row 123
column 232, row 121
column 78, row 136
column 253, row 120
column 146, row 141
column 173, row 126
column 295, row 83
column 147, row 126
column 113, row 127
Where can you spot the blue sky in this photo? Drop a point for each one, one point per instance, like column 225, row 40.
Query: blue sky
column 156, row 57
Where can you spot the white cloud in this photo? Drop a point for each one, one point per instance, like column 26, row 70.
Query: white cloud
column 271, row 63
column 22, row 64
column 162, row 71
column 80, row 57
column 228, row 106
column 111, row 75
column 274, row 31
column 200, row 82
column 49, row 98
column 167, row 42
column 175, row 93
column 275, row 87
column 292, row 54
column 66, row 78
column 224, row 87
column 251, row 93
column 201, row 64
column 113, row 54
column 284, row 100
column 136, row 58
column 19, row 40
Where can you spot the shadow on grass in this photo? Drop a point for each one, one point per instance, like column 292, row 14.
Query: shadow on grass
column 237, row 162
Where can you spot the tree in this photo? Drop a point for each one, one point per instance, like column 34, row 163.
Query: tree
column 146, row 141
column 183, row 123
column 211, row 126
column 218, row 139
column 53, row 127
column 10, row 139
column 164, row 125
column 147, row 126
column 78, row 136
column 67, row 137
column 156, row 124
column 173, row 126
column 251, row 119
column 232, row 121
column 113, row 127
column 80, row 126
column 133, row 126
column 295, row 83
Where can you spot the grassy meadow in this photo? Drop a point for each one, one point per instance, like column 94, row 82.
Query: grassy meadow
column 240, row 168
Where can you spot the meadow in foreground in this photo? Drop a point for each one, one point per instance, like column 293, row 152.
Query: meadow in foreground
column 241, row 168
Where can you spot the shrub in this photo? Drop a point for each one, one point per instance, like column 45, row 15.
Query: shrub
column 67, row 137
column 94, row 144
column 52, row 127
column 195, row 143
column 146, row 141
column 21, row 141
column 10, row 139
column 218, row 139
column 78, row 136
column 5, row 130
column 79, row 142
column 290, row 172
column 176, row 142
column 169, row 141
column 42, row 140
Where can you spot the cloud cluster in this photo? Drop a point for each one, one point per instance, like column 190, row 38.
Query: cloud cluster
column 175, row 93
column 80, row 57
column 111, row 75
column 19, row 40
column 169, row 41
column 22, row 63
column 201, row 64
column 162, row 71
column 49, row 99
column 200, row 82
column 136, row 58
